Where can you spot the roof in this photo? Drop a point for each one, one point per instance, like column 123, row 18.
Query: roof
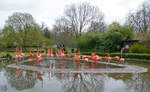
column 130, row 40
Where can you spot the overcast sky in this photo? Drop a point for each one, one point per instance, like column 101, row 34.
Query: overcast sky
column 48, row 11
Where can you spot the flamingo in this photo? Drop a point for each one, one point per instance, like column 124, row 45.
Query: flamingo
column 108, row 61
column 118, row 59
column 51, row 52
column 86, row 58
column 63, row 53
column 56, row 52
column 94, row 59
column 16, row 53
column 48, row 53
column 39, row 56
column 76, row 59
column 17, row 56
column 68, row 54
column 22, row 54
column 78, row 52
column 98, row 58
column 31, row 55
column 122, row 61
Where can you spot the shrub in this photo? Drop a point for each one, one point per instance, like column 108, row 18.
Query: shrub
column 138, row 48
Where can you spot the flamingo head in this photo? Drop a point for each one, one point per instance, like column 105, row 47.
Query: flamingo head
column 117, row 57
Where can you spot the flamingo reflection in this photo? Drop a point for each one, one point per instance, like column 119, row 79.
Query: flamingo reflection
column 39, row 75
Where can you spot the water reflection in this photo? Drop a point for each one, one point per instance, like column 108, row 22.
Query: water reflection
column 12, row 80
column 80, row 82
column 139, row 82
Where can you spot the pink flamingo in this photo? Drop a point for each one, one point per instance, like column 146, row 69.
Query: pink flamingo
column 98, row 58
column 108, row 61
column 122, row 61
column 68, row 54
column 86, row 58
column 48, row 53
column 63, row 53
column 23, row 54
column 56, row 52
column 94, row 59
column 117, row 58
column 78, row 52
column 39, row 56
column 17, row 54
column 51, row 52
column 76, row 59
column 31, row 55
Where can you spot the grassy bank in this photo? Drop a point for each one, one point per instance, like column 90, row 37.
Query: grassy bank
column 126, row 55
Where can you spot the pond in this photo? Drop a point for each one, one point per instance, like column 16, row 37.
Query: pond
column 20, row 80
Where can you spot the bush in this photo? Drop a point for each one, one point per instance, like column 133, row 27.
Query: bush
column 109, row 41
column 89, row 41
column 138, row 48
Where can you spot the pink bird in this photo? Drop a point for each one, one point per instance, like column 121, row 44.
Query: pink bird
column 51, row 52
column 48, row 53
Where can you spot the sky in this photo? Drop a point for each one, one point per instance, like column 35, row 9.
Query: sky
column 47, row 11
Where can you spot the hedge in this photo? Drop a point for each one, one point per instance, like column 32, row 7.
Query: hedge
column 127, row 55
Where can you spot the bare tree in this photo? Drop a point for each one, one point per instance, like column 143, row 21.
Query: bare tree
column 98, row 25
column 62, row 33
column 79, row 17
column 140, row 19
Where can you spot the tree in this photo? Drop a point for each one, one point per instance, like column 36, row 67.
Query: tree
column 62, row 34
column 140, row 19
column 19, row 30
column 21, row 23
column 97, row 26
column 45, row 30
column 89, row 41
column 115, row 35
column 78, row 18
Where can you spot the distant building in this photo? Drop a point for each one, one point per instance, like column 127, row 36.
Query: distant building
column 126, row 45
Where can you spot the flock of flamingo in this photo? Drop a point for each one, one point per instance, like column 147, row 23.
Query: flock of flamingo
column 93, row 58
column 60, row 53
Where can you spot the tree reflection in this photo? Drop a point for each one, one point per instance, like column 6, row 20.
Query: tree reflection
column 82, row 82
column 20, row 81
column 139, row 82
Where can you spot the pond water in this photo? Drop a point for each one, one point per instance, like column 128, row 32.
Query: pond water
column 12, row 80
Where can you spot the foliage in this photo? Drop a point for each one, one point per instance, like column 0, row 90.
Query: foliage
column 109, row 41
column 22, row 31
column 89, row 41
column 115, row 35
column 138, row 48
